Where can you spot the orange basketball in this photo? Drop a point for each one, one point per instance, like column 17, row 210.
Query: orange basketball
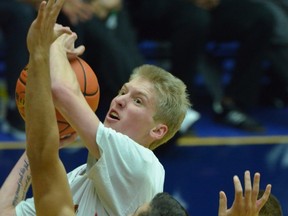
column 88, row 83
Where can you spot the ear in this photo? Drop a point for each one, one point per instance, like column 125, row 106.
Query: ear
column 159, row 131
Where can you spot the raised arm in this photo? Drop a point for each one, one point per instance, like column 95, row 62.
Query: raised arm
column 67, row 95
column 51, row 190
column 245, row 203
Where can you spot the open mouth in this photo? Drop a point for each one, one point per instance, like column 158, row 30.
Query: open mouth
column 114, row 115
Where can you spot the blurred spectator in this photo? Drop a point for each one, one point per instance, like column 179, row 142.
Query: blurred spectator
column 260, row 27
column 277, row 91
column 189, row 24
column 251, row 24
column 15, row 19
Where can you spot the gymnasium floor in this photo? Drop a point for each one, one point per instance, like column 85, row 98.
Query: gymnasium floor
column 199, row 166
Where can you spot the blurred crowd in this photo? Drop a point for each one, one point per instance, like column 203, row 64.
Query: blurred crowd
column 111, row 31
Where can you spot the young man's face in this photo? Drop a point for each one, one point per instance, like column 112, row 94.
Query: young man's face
column 132, row 111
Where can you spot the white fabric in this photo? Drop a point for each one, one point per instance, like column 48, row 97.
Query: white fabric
column 126, row 176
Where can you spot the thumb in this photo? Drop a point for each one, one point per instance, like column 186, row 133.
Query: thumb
column 71, row 54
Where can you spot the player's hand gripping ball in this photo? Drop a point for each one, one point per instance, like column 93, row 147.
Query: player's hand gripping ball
column 88, row 83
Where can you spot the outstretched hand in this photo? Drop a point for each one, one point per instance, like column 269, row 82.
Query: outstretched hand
column 42, row 32
column 245, row 204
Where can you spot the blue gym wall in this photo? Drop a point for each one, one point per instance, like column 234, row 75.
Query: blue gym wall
column 196, row 174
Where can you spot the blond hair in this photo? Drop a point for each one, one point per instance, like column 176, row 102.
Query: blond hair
column 172, row 98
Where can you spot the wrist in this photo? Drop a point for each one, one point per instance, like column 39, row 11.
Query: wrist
column 39, row 58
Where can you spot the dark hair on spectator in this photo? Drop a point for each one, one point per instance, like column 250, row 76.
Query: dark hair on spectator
column 163, row 204
column 272, row 207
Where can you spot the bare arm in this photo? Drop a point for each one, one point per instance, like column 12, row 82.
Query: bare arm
column 15, row 187
column 51, row 190
column 68, row 97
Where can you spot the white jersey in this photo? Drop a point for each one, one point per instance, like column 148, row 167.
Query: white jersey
column 126, row 176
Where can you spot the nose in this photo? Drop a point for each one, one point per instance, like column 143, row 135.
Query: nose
column 120, row 100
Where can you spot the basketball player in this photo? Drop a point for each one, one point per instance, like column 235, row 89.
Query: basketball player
column 47, row 172
column 50, row 185
column 120, row 162
column 122, row 172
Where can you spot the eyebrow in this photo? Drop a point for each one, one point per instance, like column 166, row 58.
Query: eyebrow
column 143, row 93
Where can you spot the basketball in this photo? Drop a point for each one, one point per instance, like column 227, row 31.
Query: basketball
column 88, row 83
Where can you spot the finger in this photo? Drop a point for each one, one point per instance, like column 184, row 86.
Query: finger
column 76, row 52
column 256, row 183
column 238, row 190
column 73, row 37
column 41, row 14
column 56, row 7
column 59, row 27
column 79, row 50
column 248, row 188
column 222, row 204
column 59, row 30
column 52, row 10
column 50, row 4
column 66, row 33
column 261, row 202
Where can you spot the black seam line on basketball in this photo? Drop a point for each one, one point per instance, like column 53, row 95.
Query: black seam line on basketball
column 21, row 80
column 64, row 129
column 67, row 126
column 63, row 122
column 91, row 94
column 84, row 74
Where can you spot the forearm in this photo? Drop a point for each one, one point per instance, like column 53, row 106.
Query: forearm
column 66, row 91
column 15, row 186
column 68, row 97
column 63, row 78
column 37, row 116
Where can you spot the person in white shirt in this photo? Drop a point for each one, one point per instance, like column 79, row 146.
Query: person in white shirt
column 121, row 172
